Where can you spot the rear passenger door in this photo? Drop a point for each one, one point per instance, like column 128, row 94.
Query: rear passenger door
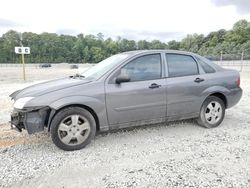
column 184, row 85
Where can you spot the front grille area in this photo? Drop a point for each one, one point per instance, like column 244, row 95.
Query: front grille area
column 14, row 117
column 17, row 119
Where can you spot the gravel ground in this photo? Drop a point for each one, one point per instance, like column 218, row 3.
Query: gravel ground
column 178, row 154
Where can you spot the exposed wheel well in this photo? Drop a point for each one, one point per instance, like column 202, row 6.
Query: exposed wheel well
column 221, row 96
column 81, row 106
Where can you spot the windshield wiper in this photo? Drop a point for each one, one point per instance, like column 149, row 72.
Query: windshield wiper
column 77, row 76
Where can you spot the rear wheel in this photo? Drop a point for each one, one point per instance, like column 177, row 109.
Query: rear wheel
column 212, row 112
column 73, row 128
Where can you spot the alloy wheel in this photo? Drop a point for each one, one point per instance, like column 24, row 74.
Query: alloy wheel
column 74, row 129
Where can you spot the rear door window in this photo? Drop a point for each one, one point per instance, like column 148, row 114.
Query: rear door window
column 181, row 65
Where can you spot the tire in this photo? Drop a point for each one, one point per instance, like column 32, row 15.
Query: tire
column 73, row 128
column 212, row 112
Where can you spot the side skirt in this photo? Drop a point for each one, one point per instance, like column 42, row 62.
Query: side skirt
column 148, row 122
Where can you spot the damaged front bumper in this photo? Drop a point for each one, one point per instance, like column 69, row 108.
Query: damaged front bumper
column 33, row 120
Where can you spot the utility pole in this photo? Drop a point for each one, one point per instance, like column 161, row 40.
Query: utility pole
column 241, row 61
column 221, row 53
column 21, row 43
column 22, row 50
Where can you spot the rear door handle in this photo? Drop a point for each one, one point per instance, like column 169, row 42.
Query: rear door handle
column 154, row 85
column 198, row 80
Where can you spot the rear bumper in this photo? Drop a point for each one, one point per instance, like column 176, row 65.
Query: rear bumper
column 234, row 97
column 31, row 120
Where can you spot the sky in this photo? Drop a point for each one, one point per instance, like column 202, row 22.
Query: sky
column 163, row 20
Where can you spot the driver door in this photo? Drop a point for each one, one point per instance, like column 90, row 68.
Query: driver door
column 141, row 99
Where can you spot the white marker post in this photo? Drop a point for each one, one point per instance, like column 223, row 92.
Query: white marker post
column 22, row 50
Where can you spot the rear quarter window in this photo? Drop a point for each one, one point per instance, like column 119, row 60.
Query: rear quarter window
column 207, row 68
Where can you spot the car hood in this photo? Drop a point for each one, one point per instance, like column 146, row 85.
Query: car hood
column 47, row 87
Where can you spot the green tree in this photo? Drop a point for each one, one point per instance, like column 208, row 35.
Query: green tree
column 143, row 45
column 54, row 48
column 174, row 45
column 240, row 32
column 96, row 54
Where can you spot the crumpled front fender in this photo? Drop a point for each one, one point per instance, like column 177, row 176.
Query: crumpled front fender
column 97, row 105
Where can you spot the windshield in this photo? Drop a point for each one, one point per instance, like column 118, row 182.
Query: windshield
column 104, row 66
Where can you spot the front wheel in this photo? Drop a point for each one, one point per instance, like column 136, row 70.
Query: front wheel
column 73, row 128
column 212, row 112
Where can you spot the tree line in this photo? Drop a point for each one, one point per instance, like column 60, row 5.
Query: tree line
column 54, row 48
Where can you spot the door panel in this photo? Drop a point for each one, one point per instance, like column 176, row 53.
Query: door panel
column 135, row 101
column 184, row 95
column 184, row 86
column 143, row 97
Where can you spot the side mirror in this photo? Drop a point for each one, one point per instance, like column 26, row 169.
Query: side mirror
column 122, row 78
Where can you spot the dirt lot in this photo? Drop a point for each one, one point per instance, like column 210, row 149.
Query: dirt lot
column 179, row 154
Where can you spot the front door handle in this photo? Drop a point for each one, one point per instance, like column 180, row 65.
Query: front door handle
column 198, row 80
column 154, row 85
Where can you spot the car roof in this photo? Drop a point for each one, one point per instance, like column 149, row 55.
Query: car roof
column 137, row 52
column 145, row 52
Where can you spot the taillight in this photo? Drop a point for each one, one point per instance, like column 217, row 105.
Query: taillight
column 238, row 82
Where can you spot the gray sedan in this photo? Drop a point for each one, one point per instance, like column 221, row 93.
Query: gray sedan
column 125, row 90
